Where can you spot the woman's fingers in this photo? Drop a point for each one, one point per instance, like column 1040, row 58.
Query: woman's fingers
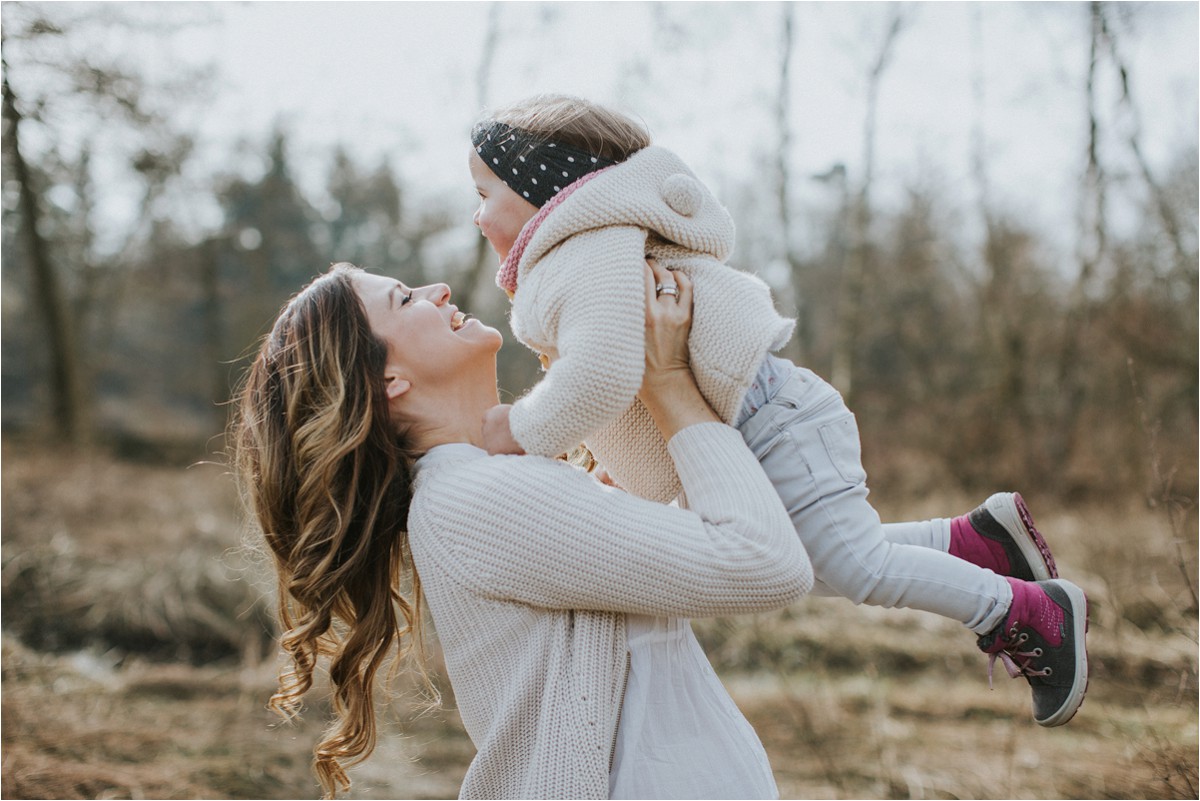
column 665, row 283
column 684, row 285
column 668, row 389
column 668, row 321
column 673, row 291
column 651, row 280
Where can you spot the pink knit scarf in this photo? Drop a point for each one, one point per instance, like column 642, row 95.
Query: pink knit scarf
column 506, row 277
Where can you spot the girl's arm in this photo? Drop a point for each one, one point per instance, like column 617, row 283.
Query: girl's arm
column 590, row 304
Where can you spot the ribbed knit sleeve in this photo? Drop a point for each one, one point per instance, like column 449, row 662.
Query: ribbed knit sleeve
column 590, row 303
column 541, row 533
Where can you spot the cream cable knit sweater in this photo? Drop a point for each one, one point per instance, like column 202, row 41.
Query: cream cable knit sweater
column 580, row 301
column 529, row 566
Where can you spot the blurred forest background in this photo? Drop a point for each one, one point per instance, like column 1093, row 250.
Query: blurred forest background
column 978, row 352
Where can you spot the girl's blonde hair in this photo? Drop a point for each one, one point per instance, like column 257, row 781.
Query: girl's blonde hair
column 577, row 122
column 329, row 480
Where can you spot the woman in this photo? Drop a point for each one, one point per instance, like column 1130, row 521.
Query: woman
column 559, row 601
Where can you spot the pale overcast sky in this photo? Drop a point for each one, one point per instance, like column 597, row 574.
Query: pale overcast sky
column 398, row 81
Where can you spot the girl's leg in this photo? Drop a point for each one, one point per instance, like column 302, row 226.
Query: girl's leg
column 999, row 535
column 807, row 442
column 933, row 533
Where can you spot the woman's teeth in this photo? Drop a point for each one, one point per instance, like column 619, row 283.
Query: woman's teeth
column 457, row 320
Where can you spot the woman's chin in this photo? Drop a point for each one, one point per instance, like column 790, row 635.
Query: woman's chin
column 474, row 328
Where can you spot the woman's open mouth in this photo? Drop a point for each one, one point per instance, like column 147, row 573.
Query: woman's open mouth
column 457, row 320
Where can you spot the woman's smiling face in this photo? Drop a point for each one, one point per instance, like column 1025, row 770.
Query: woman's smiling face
column 429, row 340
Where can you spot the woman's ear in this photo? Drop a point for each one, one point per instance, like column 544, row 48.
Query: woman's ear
column 396, row 386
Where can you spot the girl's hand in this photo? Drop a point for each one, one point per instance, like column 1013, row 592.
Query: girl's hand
column 497, row 436
column 669, row 390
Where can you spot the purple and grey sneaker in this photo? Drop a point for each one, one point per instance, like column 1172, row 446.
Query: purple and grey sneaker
column 1000, row 536
column 1043, row 639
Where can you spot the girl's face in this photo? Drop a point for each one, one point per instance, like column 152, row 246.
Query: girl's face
column 502, row 213
column 430, row 342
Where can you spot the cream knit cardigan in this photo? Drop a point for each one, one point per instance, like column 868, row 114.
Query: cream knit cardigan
column 529, row 565
column 580, row 300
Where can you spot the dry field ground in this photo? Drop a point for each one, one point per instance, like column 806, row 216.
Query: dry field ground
column 137, row 663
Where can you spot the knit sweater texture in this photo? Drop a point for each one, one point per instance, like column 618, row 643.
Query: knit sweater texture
column 580, row 300
column 529, row 589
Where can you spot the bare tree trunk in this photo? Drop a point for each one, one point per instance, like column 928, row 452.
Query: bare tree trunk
column 784, row 176
column 1093, row 239
column 978, row 129
column 482, row 258
column 67, row 402
column 849, row 319
column 1092, row 247
column 991, row 313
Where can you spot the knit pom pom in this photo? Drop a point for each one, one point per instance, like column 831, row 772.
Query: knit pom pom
column 683, row 194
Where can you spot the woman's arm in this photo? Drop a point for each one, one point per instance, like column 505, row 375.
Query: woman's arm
column 539, row 532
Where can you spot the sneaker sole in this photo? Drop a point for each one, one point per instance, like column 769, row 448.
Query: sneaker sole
column 1080, row 625
column 1018, row 522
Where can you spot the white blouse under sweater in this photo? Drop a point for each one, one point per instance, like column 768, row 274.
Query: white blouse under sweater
column 681, row 735
column 529, row 567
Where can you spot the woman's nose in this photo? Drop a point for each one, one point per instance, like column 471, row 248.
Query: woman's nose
column 437, row 294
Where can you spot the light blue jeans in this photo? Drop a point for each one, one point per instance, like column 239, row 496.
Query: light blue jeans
column 807, row 442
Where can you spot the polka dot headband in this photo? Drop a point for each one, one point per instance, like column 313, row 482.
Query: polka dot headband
column 534, row 168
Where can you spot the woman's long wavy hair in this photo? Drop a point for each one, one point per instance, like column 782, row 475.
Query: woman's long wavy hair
column 328, row 478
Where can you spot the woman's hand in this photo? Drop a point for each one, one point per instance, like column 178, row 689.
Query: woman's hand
column 669, row 390
column 668, row 323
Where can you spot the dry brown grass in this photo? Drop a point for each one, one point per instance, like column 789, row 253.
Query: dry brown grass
column 79, row 727
column 133, row 664
column 99, row 552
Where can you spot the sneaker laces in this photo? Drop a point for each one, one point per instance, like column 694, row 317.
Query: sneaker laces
column 1035, row 535
column 1011, row 652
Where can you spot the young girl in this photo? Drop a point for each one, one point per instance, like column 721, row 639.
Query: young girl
column 572, row 197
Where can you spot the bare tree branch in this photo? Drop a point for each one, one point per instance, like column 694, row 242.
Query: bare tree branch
column 1161, row 203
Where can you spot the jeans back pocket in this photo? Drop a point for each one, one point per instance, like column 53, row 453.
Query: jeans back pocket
column 845, row 451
